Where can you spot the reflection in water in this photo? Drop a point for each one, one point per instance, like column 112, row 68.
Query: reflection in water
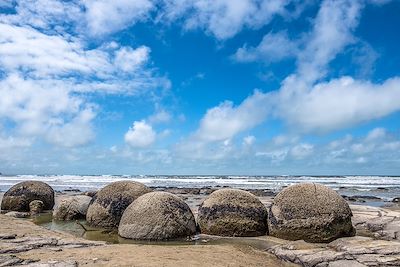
column 95, row 234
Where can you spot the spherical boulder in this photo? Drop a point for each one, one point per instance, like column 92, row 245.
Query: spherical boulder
column 108, row 205
column 157, row 216
column 310, row 211
column 18, row 197
column 232, row 212
column 72, row 208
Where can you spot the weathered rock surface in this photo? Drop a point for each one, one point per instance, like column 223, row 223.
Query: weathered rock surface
column 71, row 251
column 232, row 212
column 311, row 212
column 72, row 208
column 352, row 251
column 157, row 216
column 379, row 223
column 110, row 202
column 36, row 207
column 18, row 197
column 20, row 238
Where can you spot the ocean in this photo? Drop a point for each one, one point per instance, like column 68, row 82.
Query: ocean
column 384, row 187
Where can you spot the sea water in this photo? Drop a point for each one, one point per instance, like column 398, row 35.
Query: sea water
column 384, row 187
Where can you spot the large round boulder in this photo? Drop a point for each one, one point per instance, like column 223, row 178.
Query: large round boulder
column 310, row 211
column 108, row 205
column 157, row 216
column 18, row 197
column 232, row 212
column 72, row 208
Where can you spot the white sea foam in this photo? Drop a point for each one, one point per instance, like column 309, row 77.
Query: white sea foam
column 366, row 185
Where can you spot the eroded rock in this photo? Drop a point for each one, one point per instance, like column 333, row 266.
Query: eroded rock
column 309, row 211
column 108, row 205
column 351, row 251
column 72, row 208
column 232, row 212
column 18, row 197
column 157, row 216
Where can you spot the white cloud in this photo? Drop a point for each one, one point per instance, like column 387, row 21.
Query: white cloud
column 249, row 140
column 301, row 151
column 48, row 68
column 140, row 135
column 273, row 47
column 305, row 102
column 11, row 142
column 333, row 30
column 160, row 116
column 376, row 134
column 225, row 121
column 128, row 59
column 105, row 17
column 108, row 68
column 222, row 18
column 76, row 132
column 51, row 16
column 44, row 108
column 275, row 155
column 338, row 103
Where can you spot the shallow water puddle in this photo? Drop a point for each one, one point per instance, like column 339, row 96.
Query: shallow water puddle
column 73, row 227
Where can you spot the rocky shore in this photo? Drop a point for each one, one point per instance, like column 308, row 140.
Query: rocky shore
column 376, row 243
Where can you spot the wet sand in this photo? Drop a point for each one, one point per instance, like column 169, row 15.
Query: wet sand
column 71, row 251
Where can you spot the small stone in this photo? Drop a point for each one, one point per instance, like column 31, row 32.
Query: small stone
column 36, row 207
column 17, row 214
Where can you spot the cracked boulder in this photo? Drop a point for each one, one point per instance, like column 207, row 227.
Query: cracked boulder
column 108, row 205
column 72, row 208
column 19, row 196
column 232, row 212
column 311, row 212
column 157, row 216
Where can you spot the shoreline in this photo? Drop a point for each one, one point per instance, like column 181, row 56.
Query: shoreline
column 29, row 243
column 377, row 228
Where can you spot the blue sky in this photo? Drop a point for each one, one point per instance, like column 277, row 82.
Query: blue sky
column 200, row 87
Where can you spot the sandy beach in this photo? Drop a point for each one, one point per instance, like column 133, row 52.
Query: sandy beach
column 24, row 242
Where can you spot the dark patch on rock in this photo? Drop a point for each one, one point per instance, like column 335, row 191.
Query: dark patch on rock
column 312, row 212
column 107, row 206
column 232, row 212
